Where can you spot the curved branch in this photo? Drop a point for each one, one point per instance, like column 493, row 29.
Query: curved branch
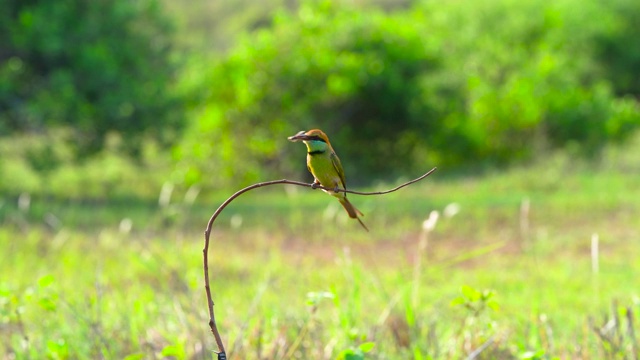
column 207, row 234
column 380, row 192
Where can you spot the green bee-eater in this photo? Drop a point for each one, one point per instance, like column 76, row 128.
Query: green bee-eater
column 325, row 166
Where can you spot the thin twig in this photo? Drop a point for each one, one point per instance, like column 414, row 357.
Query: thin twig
column 632, row 334
column 480, row 349
column 207, row 234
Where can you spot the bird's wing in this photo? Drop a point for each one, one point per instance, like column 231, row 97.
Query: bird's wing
column 338, row 166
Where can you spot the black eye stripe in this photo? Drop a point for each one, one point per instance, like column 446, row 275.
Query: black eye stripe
column 316, row 137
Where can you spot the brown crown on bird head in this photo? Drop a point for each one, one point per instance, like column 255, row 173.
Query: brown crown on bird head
column 315, row 134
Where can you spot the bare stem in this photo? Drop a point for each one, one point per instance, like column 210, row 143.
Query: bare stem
column 207, row 234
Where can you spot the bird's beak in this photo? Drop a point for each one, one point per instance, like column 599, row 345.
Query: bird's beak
column 300, row 136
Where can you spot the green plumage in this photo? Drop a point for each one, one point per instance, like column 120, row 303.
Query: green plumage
column 325, row 166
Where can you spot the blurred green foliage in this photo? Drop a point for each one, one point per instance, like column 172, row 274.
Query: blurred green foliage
column 231, row 18
column 447, row 83
column 309, row 70
column 93, row 66
column 619, row 48
column 399, row 86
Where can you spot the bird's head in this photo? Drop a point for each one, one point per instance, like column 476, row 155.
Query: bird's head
column 311, row 135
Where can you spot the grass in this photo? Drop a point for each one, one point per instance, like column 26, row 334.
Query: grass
column 292, row 277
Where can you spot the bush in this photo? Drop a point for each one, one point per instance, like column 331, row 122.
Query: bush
column 618, row 48
column 95, row 67
column 447, row 83
column 354, row 75
column 531, row 74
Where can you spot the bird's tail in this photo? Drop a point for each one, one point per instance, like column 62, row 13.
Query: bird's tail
column 352, row 211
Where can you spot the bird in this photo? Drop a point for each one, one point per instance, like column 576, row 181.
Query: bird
column 325, row 166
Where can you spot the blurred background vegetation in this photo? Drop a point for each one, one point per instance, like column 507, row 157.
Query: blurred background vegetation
column 123, row 124
column 127, row 95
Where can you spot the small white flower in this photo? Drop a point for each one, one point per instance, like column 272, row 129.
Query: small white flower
column 125, row 226
column 451, row 210
column 430, row 223
column 236, row 221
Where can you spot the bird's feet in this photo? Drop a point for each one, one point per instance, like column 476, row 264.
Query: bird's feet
column 315, row 185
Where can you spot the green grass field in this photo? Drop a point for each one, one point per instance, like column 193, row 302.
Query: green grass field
column 510, row 274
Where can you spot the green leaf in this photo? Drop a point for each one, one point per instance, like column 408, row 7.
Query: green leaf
column 470, row 293
column 344, row 354
column 46, row 281
column 458, row 301
column 47, row 303
column 366, row 347
column 493, row 305
column 355, row 356
column 175, row 350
